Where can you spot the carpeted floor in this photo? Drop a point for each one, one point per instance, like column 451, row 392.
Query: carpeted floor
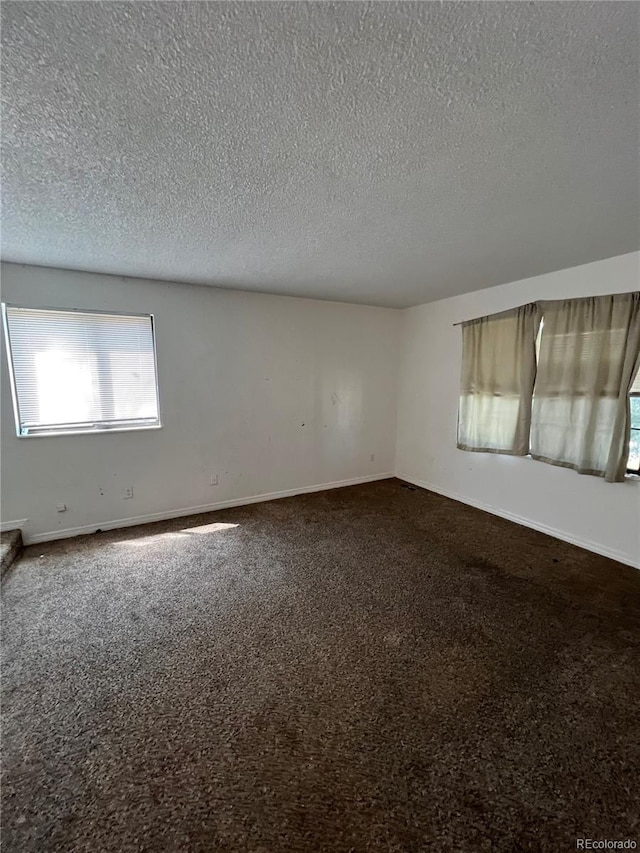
column 374, row 668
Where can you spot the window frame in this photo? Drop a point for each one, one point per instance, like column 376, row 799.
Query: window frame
column 632, row 474
column 89, row 428
column 633, row 471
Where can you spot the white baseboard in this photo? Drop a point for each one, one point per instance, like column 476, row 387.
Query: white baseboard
column 51, row 535
column 13, row 525
column 612, row 553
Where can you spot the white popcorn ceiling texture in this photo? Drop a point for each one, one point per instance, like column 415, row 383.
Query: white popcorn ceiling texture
column 382, row 153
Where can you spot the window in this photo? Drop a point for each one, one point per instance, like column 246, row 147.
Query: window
column 496, row 386
column 583, row 361
column 633, row 463
column 80, row 371
column 578, row 413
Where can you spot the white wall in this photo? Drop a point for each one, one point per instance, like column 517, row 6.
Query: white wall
column 582, row 509
column 239, row 375
column 270, row 393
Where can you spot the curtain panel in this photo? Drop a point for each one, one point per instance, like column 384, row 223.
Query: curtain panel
column 589, row 356
column 498, row 374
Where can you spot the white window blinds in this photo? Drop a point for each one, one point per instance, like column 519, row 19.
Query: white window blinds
column 77, row 371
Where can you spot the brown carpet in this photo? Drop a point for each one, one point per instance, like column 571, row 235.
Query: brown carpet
column 374, row 668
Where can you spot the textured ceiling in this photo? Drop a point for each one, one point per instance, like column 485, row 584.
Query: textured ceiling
column 369, row 152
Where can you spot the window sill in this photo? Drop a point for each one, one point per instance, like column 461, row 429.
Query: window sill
column 629, row 477
column 59, row 433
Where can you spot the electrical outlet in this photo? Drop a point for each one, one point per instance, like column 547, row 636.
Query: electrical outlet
column 128, row 493
column 213, row 480
column 61, row 507
column 101, row 491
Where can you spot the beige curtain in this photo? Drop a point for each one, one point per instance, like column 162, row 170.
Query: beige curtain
column 589, row 355
column 498, row 372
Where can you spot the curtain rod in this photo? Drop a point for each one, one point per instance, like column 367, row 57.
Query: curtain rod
column 541, row 302
column 472, row 320
column 497, row 314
